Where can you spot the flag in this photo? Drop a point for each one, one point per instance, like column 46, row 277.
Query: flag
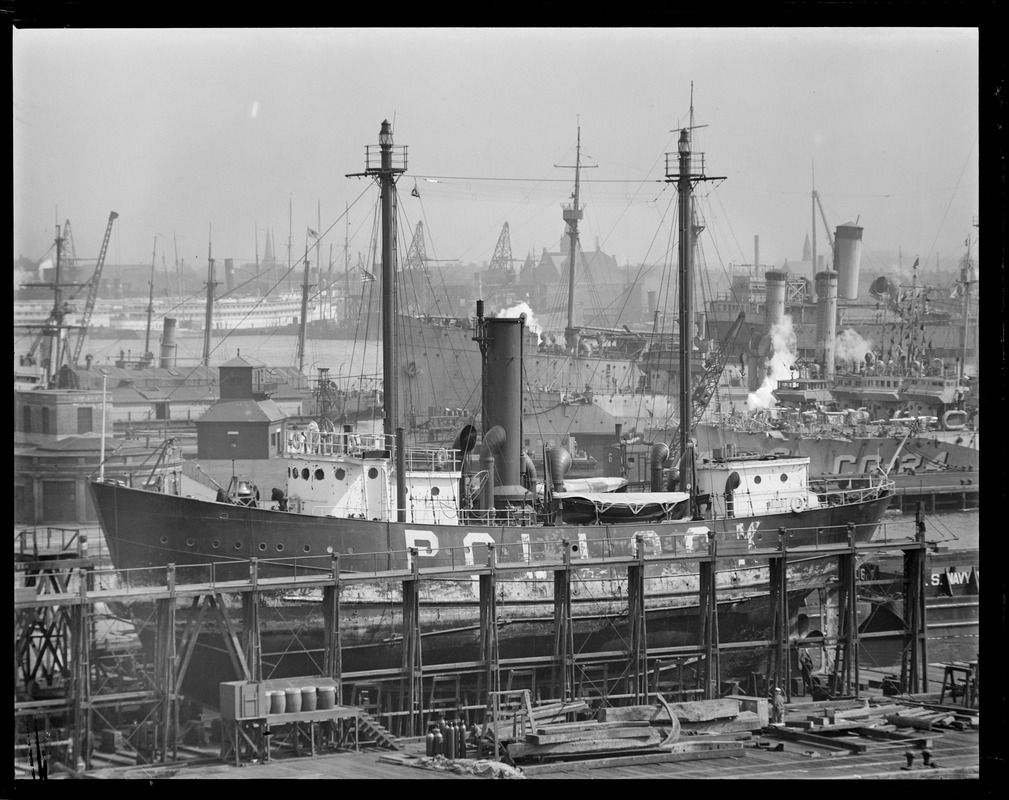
column 915, row 265
column 966, row 242
column 312, row 234
column 913, row 427
column 367, row 275
column 414, row 191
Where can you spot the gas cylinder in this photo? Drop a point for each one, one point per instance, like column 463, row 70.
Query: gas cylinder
column 450, row 738
column 429, row 741
column 461, row 733
column 439, row 742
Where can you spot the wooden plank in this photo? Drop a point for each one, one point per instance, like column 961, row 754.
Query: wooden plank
column 713, row 750
column 812, row 738
column 691, row 711
column 562, row 727
column 904, row 721
column 893, row 736
column 520, row 750
column 588, row 735
column 746, row 721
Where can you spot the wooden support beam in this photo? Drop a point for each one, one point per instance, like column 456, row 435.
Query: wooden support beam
column 412, row 655
column 332, row 638
column 489, row 653
column 638, row 653
column 708, row 620
column 564, row 645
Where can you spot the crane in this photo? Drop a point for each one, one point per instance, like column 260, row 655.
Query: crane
column 830, row 239
column 89, row 305
column 706, row 383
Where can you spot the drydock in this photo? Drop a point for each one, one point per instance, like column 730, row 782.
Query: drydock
column 91, row 701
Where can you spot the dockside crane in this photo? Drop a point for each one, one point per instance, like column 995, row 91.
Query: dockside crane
column 707, row 381
column 89, row 305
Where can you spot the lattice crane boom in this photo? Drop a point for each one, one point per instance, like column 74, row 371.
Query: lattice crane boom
column 707, row 382
column 89, row 305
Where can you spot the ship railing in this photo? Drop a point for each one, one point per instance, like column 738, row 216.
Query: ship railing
column 368, row 445
column 851, row 490
column 54, row 539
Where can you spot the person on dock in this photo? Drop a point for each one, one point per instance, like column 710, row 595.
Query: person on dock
column 778, row 707
column 806, row 666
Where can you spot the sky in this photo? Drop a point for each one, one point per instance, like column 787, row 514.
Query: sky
column 204, row 140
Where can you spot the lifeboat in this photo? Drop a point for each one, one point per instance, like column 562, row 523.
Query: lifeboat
column 954, row 420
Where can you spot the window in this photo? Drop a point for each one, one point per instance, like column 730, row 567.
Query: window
column 84, row 421
column 27, row 419
column 45, row 420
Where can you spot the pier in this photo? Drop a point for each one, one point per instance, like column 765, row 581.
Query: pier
column 83, row 683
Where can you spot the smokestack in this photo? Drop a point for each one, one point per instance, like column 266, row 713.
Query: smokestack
column 229, row 274
column 826, row 323
column 168, row 344
column 502, row 398
column 774, row 303
column 847, row 259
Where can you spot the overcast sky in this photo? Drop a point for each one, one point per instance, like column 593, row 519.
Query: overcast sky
column 210, row 136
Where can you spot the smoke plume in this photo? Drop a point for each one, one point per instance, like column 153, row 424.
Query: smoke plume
column 777, row 366
column 850, row 346
column 516, row 310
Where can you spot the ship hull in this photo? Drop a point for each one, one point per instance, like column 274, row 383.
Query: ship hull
column 151, row 529
column 935, row 452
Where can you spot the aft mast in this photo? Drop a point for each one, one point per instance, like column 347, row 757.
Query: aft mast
column 572, row 213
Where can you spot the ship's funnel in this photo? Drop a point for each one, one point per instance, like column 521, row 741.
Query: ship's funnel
column 229, row 275
column 847, row 259
column 168, row 345
column 774, row 303
column 559, row 460
column 501, row 341
column 826, row 323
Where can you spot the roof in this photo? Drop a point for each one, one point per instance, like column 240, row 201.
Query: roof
column 241, row 361
column 243, row 411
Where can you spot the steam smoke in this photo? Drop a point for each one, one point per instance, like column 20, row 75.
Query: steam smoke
column 850, row 346
column 778, row 366
column 521, row 308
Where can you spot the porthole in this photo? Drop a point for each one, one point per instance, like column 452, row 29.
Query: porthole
column 373, row 473
column 238, row 545
column 216, row 543
column 784, row 477
column 262, row 545
column 756, row 479
column 319, row 474
column 307, row 548
column 164, row 540
column 340, row 473
column 435, row 491
column 304, row 473
column 280, row 548
column 294, row 472
column 190, row 542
